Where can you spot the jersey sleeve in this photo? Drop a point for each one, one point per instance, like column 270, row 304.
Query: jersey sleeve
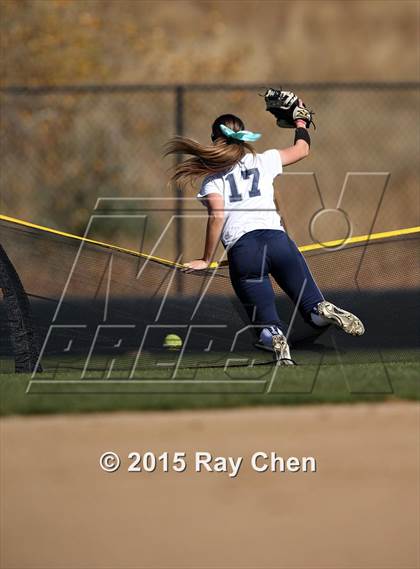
column 272, row 162
column 209, row 186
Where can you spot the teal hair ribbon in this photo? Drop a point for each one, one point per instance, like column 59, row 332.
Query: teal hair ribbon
column 245, row 135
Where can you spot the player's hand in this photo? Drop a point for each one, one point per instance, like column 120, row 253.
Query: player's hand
column 197, row 265
column 301, row 122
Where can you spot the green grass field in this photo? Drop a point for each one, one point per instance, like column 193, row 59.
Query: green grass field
column 347, row 383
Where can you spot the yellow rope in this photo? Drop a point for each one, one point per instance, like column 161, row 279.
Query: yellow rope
column 304, row 248
column 360, row 239
column 87, row 240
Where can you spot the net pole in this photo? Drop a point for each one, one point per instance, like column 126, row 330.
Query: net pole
column 179, row 225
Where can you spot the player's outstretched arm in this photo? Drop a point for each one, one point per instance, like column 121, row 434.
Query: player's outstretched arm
column 291, row 112
column 300, row 148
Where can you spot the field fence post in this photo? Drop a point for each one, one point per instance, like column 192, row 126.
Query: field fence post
column 179, row 227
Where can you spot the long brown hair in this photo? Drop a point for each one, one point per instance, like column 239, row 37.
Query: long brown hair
column 220, row 156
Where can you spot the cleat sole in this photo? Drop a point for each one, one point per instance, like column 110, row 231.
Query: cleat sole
column 345, row 320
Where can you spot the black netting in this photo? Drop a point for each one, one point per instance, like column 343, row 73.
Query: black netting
column 100, row 309
column 20, row 329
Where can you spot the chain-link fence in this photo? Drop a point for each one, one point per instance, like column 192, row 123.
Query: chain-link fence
column 62, row 148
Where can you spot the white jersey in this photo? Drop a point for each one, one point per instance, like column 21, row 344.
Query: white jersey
column 248, row 192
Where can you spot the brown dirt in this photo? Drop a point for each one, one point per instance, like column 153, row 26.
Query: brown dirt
column 360, row 510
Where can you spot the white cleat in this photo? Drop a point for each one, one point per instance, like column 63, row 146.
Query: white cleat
column 341, row 318
column 282, row 350
column 272, row 339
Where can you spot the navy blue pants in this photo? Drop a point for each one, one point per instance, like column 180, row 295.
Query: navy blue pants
column 264, row 252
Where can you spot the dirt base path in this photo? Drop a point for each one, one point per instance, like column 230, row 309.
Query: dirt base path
column 359, row 510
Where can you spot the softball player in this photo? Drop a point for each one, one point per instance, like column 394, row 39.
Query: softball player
column 238, row 192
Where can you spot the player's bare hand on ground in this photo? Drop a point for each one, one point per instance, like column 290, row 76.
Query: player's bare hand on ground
column 197, row 265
